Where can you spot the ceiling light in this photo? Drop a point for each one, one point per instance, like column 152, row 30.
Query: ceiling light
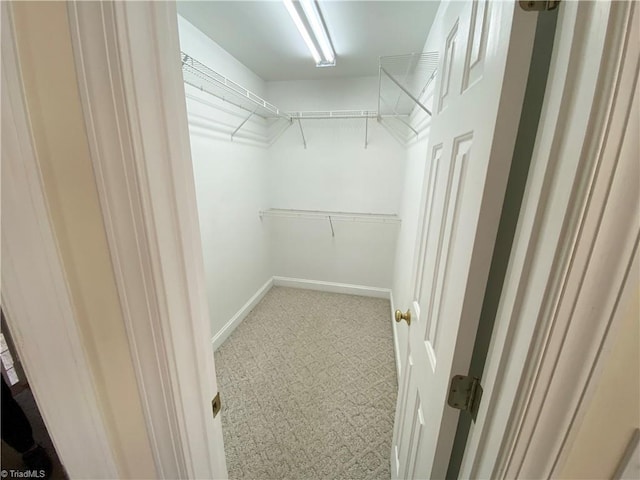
column 310, row 9
column 312, row 30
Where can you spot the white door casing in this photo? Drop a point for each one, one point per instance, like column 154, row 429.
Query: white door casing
column 39, row 309
column 132, row 94
column 484, row 62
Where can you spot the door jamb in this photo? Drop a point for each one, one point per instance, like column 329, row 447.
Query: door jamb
column 128, row 69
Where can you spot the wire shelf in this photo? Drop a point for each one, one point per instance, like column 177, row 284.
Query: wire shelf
column 326, row 214
column 198, row 75
column 403, row 80
column 322, row 115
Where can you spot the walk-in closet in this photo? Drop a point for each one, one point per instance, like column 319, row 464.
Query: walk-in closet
column 301, row 175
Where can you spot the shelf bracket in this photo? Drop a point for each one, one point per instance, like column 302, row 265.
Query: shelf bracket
column 242, row 124
column 366, row 132
column 304, row 141
column 397, row 116
column 406, row 91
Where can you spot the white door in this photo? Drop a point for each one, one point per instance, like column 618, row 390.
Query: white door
column 485, row 50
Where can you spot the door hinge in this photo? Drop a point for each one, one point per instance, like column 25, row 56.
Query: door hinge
column 465, row 393
column 539, row 5
column 216, row 405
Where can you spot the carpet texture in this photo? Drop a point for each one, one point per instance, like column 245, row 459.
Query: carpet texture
column 308, row 387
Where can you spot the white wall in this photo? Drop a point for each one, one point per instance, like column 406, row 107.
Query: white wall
column 230, row 185
column 355, row 93
column 336, row 173
column 202, row 48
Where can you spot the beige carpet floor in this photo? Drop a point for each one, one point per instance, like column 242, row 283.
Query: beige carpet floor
column 308, row 387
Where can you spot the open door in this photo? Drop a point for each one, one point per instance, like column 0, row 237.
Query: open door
column 485, row 51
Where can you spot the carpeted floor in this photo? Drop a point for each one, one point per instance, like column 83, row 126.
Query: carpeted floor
column 308, row 387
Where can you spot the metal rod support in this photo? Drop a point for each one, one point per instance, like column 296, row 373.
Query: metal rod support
column 379, row 88
column 406, row 75
column 399, row 117
column 366, row 132
column 406, row 91
column 242, row 124
column 333, row 233
column 304, row 141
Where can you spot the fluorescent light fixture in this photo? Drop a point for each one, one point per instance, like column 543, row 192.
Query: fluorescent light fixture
column 313, row 16
column 320, row 38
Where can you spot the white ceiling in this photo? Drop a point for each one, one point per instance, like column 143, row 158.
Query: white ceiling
column 262, row 36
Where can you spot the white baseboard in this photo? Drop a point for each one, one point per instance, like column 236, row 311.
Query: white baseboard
column 396, row 346
column 333, row 287
column 219, row 338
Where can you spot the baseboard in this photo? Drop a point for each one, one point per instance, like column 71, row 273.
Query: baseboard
column 333, row 287
column 219, row 338
column 396, row 345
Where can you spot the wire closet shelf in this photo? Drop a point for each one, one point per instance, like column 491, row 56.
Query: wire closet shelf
column 198, row 75
column 325, row 214
column 403, row 82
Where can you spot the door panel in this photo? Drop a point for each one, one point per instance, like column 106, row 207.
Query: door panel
column 484, row 58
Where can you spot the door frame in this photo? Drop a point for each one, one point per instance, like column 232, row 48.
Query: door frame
column 156, row 249
column 141, row 156
column 141, row 160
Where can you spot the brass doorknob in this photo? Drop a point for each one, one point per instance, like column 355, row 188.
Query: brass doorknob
column 403, row 316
